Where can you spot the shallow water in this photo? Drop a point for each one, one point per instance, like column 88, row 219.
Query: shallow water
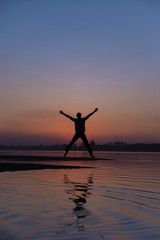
column 119, row 199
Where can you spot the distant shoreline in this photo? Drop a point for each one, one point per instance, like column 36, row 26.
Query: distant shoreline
column 116, row 146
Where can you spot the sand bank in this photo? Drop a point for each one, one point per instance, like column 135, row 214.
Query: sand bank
column 11, row 166
column 46, row 158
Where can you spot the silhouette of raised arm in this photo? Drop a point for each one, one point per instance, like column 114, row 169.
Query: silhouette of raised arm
column 96, row 109
column 66, row 115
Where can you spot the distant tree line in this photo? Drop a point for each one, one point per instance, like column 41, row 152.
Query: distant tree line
column 115, row 146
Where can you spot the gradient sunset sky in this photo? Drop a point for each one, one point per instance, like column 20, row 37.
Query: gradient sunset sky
column 75, row 56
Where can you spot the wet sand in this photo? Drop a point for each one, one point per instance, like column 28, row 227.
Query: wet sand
column 23, row 163
column 46, row 158
column 11, row 166
column 11, row 162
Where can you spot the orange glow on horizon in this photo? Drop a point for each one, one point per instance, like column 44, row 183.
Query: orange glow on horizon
column 102, row 127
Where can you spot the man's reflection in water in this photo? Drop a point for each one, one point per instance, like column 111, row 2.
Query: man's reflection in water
column 78, row 193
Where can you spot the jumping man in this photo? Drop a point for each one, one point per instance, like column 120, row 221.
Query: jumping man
column 79, row 131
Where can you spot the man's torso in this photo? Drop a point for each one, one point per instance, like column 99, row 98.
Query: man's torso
column 79, row 125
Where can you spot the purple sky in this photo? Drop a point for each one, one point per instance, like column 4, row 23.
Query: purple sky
column 75, row 56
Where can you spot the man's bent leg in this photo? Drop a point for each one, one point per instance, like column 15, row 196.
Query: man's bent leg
column 84, row 138
column 75, row 137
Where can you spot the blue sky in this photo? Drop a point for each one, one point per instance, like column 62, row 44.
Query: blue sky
column 75, row 56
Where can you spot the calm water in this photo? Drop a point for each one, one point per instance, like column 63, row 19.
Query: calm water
column 119, row 199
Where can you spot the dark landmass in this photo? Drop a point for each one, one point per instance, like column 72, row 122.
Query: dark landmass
column 116, row 146
column 31, row 166
column 12, row 157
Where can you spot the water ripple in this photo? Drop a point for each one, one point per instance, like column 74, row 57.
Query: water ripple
column 109, row 202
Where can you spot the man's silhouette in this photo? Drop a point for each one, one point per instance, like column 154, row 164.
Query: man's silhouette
column 80, row 131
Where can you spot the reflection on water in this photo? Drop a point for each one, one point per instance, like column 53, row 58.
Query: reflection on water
column 78, row 193
column 117, row 200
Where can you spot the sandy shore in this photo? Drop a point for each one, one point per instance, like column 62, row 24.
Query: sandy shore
column 23, row 163
column 11, row 166
column 46, row 158
column 20, row 163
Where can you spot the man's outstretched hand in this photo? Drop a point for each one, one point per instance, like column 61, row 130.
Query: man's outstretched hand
column 61, row 112
column 96, row 109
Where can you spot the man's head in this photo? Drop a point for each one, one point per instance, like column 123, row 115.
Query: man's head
column 78, row 115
